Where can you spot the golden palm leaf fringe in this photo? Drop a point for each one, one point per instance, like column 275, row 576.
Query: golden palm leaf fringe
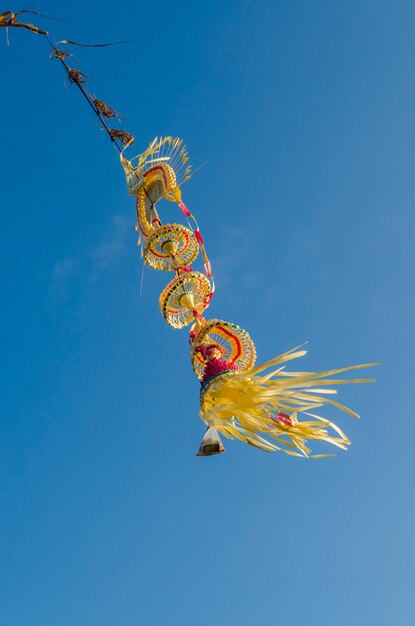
column 262, row 409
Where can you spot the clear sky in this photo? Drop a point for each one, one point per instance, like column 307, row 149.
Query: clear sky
column 304, row 114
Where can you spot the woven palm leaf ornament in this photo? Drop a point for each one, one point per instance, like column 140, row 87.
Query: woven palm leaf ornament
column 265, row 406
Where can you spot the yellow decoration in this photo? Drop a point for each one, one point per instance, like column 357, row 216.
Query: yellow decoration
column 184, row 295
column 238, row 400
column 234, row 343
column 166, row 159
column 252, row 406
column 170, row 247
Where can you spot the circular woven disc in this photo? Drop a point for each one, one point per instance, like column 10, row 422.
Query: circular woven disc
column 158, row 249
column 183, row 295
column 235, row 343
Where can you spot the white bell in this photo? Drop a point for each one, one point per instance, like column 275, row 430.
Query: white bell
column 211, row 443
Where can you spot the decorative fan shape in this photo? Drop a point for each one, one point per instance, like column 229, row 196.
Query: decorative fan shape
column 235, row 344
column 183, row 296
column 170, row 246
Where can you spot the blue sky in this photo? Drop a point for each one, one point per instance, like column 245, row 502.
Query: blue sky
column 303, row 113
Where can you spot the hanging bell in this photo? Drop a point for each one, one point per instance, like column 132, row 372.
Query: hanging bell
column 211, row 443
